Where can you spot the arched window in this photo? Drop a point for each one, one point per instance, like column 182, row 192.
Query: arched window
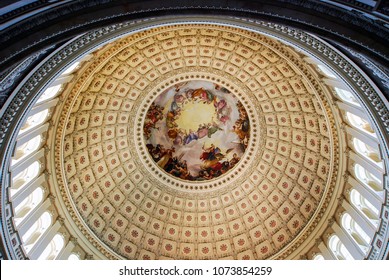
column 34, row 120
column 356, row 232
column 53, row 248
column 28, row 205
column 360, row 123
column 367, row 151
column 74, row 257
column 31, row 237
column 71, row 68
column 27, row 148
column 340, row 251
column 346, row 96
column 25, row 176
column 49, row 93
column 318, row 257
column 368, row 178
column 326, row 71
column 364, row 206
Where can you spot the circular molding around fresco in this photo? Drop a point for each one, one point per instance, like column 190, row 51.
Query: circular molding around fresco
column 254, row 148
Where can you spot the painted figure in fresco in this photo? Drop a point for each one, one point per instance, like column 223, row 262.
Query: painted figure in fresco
column 174, row 106
column 179, row 86
column 179, row 138
column 224, row 119
column 154, row 114
column 242, row 126
column 202, row 131
column 178, row 99
column 211, row 157
column 189, row 93
column 190, row 137
column 172, row 133
column 204, row 95
column 223, row 111
column 155, row 152
column 166, row 156
column 220, row 104
column 171, row 117
column 199, row 93
column 210, row 153
column 222, row 89
column 235, row 159
column 180, row 169
column 212, row 128
column 215, row 163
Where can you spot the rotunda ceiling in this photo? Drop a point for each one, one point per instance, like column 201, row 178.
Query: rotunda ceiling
column 196, row 142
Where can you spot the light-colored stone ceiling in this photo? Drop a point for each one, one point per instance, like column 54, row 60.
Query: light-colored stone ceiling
column 264, row 207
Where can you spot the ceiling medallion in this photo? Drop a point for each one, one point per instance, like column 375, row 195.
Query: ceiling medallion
column 196, row 130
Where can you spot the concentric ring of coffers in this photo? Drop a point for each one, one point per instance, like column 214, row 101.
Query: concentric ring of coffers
column 127, row 194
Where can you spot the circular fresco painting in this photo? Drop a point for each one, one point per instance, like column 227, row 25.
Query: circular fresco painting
column 196, row 130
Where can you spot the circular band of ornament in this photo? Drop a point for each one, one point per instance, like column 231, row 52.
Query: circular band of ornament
column 199, row 131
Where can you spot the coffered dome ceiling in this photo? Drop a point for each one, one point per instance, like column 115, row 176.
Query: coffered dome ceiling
column 196, row 142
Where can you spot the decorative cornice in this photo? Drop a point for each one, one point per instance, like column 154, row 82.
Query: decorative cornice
column 26, row 94
column 9, row 80
column 273, row 13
